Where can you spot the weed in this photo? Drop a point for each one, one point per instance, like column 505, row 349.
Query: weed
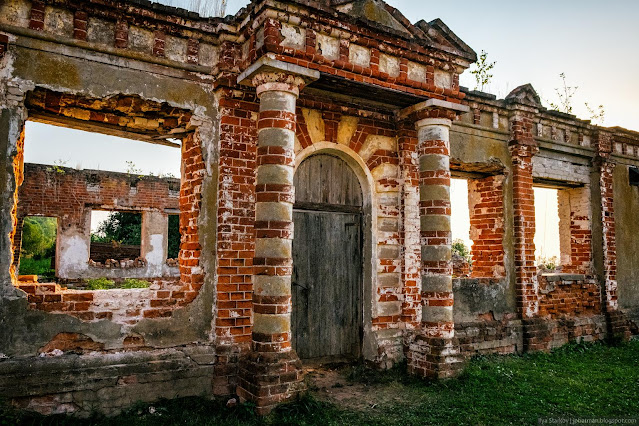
column 135, row 283
column 100, row 284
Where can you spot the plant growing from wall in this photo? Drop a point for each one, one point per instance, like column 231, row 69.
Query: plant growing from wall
column 482, row 71
column 597, row 114
column 548, row 263
column 100, row 284
column 135, row 283
column 565, row 96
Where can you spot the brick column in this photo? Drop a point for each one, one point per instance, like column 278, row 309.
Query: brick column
column 432, row 353
column 605, row 166
column 272, row 372
column 522, row 149
column 411, row 258
column 522, row 145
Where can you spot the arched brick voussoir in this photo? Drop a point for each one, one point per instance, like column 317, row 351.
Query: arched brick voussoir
column 303, row 138
column 375, row 143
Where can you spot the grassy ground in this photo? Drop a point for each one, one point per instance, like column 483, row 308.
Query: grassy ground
column 582, row 381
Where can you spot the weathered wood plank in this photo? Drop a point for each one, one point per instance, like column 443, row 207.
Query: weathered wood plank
column 327, row 258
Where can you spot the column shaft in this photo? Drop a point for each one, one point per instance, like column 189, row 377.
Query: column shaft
column 273, row 263
column 435, row 230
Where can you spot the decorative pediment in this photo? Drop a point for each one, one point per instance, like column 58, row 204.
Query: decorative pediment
column 433, row 34
column 526, row 95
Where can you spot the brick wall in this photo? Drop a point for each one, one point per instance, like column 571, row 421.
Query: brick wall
column 575, row 230
column 236, row 217
column 69, row 195
column 523, row 148
column 568, row 296
column 122, row 306
column 486, row 210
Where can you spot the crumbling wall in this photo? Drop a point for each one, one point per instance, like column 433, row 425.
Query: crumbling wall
column 70, row 195
column 49, row 72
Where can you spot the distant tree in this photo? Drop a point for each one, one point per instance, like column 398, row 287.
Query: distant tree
column 460, row 248
column 38, row 236
column 482, row 71
column 120, row 227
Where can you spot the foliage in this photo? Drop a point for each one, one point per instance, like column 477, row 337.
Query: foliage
column 581, row 381
column 174, row 236
column 460, row 248
column 39, row 236
column 100, row 284
column 597, row 114
column 120, row 227
column 31, row 266
column 482, row 71
column 135, row 283
column 565, row 95
column 132, row 169
column 548, row 263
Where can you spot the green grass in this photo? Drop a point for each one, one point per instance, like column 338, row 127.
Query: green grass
column 100, row 284
column 135, row 283
column 579, row 381
column 31, row 266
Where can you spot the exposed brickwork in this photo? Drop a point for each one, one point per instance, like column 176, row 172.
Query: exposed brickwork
column 489, row 336
column 36, row 20
column 236, row 217
column 575, row 223
column 159, row 41
column 364, row 108
column 411, row 260
column 486, row 211
column 193, row 171
column 121, row 34
column 67, row 193
column 80, row 22
column 568, row 296
column 4, row 44
column 120, row 306
column 522, row 149
column 543, row 335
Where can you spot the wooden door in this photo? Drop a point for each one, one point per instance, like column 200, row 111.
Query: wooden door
column 327, row 260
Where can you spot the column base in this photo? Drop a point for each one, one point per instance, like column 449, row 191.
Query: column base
column 268, row 379
column 434, row 358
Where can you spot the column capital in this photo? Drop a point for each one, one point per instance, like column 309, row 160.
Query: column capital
column 268, row 74
column 433, row 109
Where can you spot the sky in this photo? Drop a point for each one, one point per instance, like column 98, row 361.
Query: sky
column 592, row 42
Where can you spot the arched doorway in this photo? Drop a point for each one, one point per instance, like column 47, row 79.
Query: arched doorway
column 327, row 260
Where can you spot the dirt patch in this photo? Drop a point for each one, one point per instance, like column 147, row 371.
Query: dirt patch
column 332, row 384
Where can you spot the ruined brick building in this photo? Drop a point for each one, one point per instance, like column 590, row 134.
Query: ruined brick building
column 337, row 116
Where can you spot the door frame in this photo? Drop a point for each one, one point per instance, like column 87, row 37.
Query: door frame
column 369, row 238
